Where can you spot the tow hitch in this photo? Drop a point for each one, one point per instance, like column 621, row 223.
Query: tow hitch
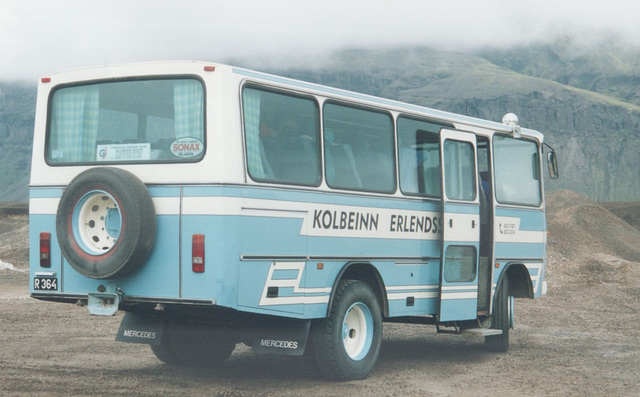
column 105, row 303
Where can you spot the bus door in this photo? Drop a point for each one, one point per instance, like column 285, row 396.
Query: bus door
column 460, row 227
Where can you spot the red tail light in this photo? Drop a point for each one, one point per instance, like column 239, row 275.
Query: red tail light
column 197, row 253
column 45, row 249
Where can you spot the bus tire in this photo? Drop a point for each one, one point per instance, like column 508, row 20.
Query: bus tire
column 164, row 351
column 194, row 345
column 346, row 344
column 106, row 223
column 501, row 319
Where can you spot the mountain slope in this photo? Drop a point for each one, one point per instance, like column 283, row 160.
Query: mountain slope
column 597, row 136
column 17, row 112
column 584, row 99
column 609, row 66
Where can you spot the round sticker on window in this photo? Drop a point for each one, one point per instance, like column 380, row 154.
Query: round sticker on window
column 187, row 147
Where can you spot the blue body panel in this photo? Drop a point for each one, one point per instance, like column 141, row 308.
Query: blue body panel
column 527, row 244
column 248, row 250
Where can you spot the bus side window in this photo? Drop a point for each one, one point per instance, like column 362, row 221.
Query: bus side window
column 419, row 157
column 459, row 170
column 341, row 166
column 359, row 152
column 282, row 135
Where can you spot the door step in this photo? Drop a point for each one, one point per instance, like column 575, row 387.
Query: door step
column 482, row 331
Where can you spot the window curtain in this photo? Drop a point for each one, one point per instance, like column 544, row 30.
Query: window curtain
column 188, row 105
column 251, row 108
column 75, row 112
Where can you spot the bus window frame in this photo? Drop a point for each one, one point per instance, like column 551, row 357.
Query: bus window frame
column 436, row 134
column 538, row 171
column 47, row 138
column 394, row 144
column 285, row 92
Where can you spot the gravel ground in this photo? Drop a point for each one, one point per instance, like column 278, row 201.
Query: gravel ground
column 581, row 339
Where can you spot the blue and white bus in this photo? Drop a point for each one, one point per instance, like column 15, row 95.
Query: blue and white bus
column 216, row 205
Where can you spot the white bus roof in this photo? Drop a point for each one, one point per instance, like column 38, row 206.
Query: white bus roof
column 198, row 67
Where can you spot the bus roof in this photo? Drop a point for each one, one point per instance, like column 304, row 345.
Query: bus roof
column 396, row 105
column 181, row 67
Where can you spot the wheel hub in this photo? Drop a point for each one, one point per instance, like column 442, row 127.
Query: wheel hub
column 97, row 222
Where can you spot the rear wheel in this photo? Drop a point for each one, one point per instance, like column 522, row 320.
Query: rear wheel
column 502, row 319
column 194, row 345
column 346, row 345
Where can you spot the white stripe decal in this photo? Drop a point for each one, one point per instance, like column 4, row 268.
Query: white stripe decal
column 417, row 295
column 49, row 206
column 535, row 279
column 328, row 220
column 460, row 295
column 43, row 206
column 415, row 291
column 462, row 227
column 294, row 283
column 167, row 205
column 459, row 287
column 412, row 287
column 454, row 292
column 296, row 300
column 507, row 230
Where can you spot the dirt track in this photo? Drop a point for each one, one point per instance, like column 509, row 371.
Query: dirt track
column 582, row 339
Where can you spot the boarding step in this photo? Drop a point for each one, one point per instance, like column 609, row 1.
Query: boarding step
column 482, row 331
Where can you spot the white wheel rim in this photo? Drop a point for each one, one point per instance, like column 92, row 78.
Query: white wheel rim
column 357, row 331
column 511, row 313
column 97, row 222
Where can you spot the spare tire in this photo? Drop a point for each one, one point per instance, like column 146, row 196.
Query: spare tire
column 106, row 223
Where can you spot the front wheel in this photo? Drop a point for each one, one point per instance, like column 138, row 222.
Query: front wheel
column 502, row 319
column 346, row 345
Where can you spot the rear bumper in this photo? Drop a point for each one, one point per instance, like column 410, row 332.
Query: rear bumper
column 83, row 298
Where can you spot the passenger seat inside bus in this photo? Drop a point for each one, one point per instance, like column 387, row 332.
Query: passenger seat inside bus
column 432, row 184
column 297, row 161
column 341, row 167
column 375, row 171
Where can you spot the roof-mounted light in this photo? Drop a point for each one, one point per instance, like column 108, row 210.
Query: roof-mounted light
column 511, row 120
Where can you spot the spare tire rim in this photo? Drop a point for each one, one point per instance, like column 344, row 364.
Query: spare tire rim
column 96, row 222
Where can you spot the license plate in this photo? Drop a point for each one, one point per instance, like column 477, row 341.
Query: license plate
column 45, row 284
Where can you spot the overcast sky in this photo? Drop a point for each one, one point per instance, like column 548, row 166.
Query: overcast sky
column 38, row 37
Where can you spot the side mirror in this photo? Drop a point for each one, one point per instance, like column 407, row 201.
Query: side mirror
column 552, row 164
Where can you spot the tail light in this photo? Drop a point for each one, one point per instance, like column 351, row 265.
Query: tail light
column 197, row 253
column 45, row 249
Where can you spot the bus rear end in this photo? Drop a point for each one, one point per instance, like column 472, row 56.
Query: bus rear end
column 113, row 151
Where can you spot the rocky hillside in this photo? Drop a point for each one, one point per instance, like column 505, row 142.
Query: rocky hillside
column 17, row 111
column 586, row 100
column 583, row 229
column 596, row 131
column 628, row 211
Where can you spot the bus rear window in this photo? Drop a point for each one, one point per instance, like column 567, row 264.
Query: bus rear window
column 127, row 121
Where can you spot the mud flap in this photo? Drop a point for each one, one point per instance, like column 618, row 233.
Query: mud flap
column 288, row 337
column 141, row 328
